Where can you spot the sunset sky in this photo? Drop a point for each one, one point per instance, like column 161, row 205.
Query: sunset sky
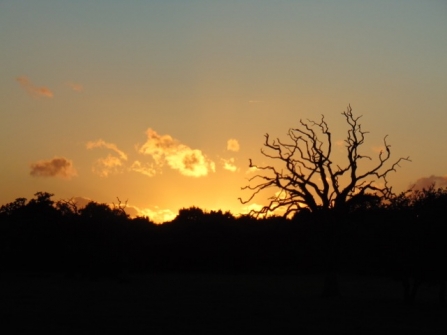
column 162, row 103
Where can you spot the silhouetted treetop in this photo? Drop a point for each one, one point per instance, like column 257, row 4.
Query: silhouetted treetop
column 101, row 211
column 13, row 207
column 309, row 178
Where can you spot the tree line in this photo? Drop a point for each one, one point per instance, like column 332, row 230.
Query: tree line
column 403, row 239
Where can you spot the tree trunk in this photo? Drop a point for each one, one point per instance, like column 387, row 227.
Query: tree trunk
column 330, row 286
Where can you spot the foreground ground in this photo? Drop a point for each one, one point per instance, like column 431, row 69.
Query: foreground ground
column 213, row 304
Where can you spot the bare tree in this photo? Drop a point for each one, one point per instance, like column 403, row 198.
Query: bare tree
column 67, row 207
column 120, row 208
column 308, row 178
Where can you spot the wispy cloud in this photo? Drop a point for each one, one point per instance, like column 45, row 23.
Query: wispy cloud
column 107, row 165
column 165, row 149
column 252, row 169
column 146, row 169
column 233, row 145
column 426, row 182
column 76, row 87
column 229, row 164
column 255, row 101
column 103, row 144
column 32, row 89
column 56, row 167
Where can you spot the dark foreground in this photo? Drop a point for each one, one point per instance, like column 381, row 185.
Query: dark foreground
column 214, row 304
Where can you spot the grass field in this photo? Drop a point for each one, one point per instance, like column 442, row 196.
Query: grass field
column 214, row 304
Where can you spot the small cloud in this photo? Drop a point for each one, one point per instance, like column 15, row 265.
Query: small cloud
column 147, row 169
column 157, row 215
column 229, row 164
column 252, row 169
column 110, row 164
column 76, row 87
column 426, row 182
column 233, row 145
column 251, row 208
column 56, row 167
column 34, row 90
column 165, row 149
column 107, row 166
column 255, row 101
column 102, row 144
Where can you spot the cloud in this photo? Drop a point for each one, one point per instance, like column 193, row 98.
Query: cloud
column 56, row 167
column 252, row 169
column 253, row 207
column 157, row 215
column 255, row 101
column 107, row 165
column 426, row 182
column 229, row 164
column 233, row 145
column 147, row 169
column 32, row 89
column 76, row 87
column 165, row 149
column 102, row 144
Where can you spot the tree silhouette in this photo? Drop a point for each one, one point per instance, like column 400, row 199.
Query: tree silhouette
column 190, row 215
column 67, row 208
column 308, row 178
column 421, row 249
column 102, row 211
column 42, row 206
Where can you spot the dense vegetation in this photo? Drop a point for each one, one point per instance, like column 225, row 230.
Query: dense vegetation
column 403, row 239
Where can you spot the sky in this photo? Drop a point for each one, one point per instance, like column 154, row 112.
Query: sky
column 163, row 103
